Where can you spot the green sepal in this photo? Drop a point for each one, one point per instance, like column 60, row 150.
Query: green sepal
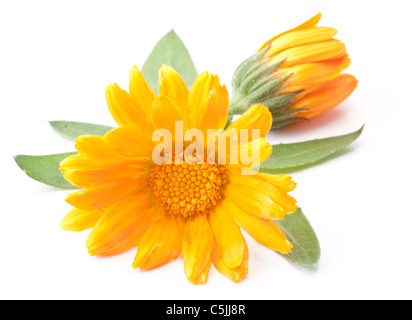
column 283, row 123
column 254, row 68
column 245, row 66
column 256, row 75
column 266, row 91
column 281, row 102
column 45, row 169
column 261, row 82
column 285, row 115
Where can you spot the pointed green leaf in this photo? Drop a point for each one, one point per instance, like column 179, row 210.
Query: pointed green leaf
column 294, row 156
column 306, row 249
column 171, row 51
column 45, row 169
column 72, row 129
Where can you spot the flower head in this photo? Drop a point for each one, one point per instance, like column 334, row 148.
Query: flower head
column 296, row 74
column 174, row 208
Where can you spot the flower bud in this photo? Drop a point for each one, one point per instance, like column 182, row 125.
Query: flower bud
column 296, row 74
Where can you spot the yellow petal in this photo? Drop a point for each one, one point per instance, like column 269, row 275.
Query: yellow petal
column 124, row 110
column 79, row 220
column 107, row 195
column 264, row 231
column 260, row 197
column 247, row 155
column 330, row 49
column 161, row 242
column 281, row 181
column 140, row 92
column 235, row 274
column 326, row 96
column 197, row 248
column 165, row 114
column 130, row 142
column 260, row 200
column 208, row 103
column 122, row 226
column 79, row 161
column 96, row 149
column 312, row 22
column 172, row 86
column 256, row 117
column 228, row 237
column 300, row 38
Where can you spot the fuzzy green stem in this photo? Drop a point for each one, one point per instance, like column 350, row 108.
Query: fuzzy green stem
column 237, row 105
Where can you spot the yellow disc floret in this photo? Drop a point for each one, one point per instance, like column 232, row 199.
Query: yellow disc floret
column 188, row 189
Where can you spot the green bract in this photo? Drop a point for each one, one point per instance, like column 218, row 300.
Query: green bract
column 255, row 81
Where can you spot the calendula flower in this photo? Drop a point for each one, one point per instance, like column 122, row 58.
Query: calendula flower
column 296, row 74
column 172, row 209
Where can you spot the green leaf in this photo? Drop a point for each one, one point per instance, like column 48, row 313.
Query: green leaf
column 45, row 169
column 294, row 156
column 171, row 51
column 72, row 129
column 306, row 249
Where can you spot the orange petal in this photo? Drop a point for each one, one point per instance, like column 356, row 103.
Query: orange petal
column 161, row 243
column 312, row 22
column 197, row 248
column 257, row 117
column 326, row 96
column 208, row 103
column 264, row 231
column 123, row 109
column 107, row 195
column 300, row 38
column 235, row 274
column 330, row 49
column 307, row 75
column 122, row 226
column 79, row 220
column 140, row 92
column 93, row 178
column 228, row 237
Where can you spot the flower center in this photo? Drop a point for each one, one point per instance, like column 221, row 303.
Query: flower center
column 188, row 189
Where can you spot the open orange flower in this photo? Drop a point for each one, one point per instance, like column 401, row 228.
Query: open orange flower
column 296, row 74
column 171, row 209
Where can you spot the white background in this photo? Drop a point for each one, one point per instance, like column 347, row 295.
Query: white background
column 58, row 56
